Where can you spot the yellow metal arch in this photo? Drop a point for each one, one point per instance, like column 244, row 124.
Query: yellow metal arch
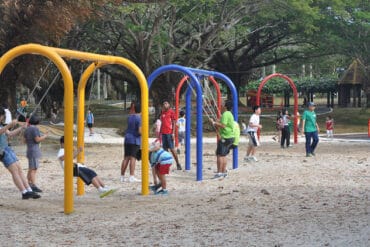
column 68, row 106
column 56, row 54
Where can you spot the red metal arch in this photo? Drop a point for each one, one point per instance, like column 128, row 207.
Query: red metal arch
column 295, row 93
column 177, row 102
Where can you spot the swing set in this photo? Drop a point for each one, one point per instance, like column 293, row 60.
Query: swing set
column 56, row 55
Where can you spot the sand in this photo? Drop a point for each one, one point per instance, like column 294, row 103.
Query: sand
column 284, row 199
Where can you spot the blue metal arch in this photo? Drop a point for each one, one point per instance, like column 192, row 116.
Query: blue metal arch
column 198, row 88
column 234, row 94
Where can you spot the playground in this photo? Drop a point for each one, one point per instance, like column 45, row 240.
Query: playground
column 284, row 199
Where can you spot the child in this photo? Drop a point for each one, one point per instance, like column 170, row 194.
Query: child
column 87, row 175
column 329, row 126
column 10, row 160
column 90, row 121
column 32, row 138
column 181, row 128
column 157, row 128
column 253, row 126
column 160, row 161
column 244, row 128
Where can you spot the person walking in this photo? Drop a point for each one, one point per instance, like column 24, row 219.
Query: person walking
column 310, row 129
column 132, row 144
column 168, row 131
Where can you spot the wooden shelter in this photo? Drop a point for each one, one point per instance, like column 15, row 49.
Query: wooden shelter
column 352, row 84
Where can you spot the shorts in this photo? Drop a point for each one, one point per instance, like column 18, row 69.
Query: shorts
column 90, row 125
column 131, row 149
column 33, row 163
column 86, row 174
column 181, row 137
column 224, row 146
column 9, row 157
column 252, row 139
column 167, row 141
column 163, row 169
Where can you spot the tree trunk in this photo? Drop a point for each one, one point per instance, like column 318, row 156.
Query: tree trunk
column 8, row 83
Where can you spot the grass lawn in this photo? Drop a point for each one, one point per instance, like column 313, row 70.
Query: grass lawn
column 347, row 120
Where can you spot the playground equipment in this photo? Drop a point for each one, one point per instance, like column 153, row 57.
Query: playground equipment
column 144, row 114
column 177, row 103
column 56, row 56
column 194, row 83
column 292, row 85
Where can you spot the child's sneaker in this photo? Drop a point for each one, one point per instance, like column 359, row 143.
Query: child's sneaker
column 35, row 189
column 154, row 188
column 123, row 179
column 132, row 179
column 162, row 192
column 107, row 192
column 30, row 194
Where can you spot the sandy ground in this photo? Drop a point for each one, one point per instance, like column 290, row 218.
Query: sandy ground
column 284, row 199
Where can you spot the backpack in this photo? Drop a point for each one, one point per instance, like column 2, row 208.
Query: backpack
column 236, row 131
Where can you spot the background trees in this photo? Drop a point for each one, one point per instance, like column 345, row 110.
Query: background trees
column 237, row 37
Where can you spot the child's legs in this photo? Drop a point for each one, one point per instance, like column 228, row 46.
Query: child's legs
column 33, row 165
column 31, row 176
column 162, row 179
column 124, row 165
column 154, row 172
column 18, row 177
column 132, row 161
column 97, row 182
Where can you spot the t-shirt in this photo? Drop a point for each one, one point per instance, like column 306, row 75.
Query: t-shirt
column 255, row 120
column 8, row 116
column 132, row 135
column 167, row 119
column 3, row 140
column 158, row 125
column 161, row 157
column 61, row 162
column 236, row 131
column 330, row 124
column 310, row 121
column 181, row 124
column 33, row 147
column 90, row 118
column 227, row 119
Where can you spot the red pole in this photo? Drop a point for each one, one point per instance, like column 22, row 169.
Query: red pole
column 295, row 93
column 177, row 106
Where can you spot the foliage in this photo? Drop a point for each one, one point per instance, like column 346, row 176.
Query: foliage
column 306, row 84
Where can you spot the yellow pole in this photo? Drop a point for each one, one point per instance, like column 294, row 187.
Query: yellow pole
column 80, row 120
column 68, row 109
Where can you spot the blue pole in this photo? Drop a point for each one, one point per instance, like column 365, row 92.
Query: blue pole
column 188, row 129
column 196, row 84
column 234, row 94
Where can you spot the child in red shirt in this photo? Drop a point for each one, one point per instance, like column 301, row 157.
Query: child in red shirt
column 329, row 126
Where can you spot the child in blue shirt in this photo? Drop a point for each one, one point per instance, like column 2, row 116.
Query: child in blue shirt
column 160, row 161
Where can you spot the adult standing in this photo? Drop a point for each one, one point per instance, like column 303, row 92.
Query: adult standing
column 310, row 129
column 253, row 126
column 132, row 144
column 225, row 128
column 168, row 131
